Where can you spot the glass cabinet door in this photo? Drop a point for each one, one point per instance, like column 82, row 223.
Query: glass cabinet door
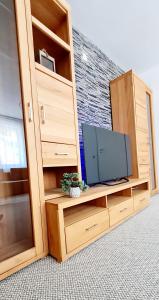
column 16, row 228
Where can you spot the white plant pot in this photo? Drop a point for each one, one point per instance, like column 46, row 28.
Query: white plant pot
column 75, row 192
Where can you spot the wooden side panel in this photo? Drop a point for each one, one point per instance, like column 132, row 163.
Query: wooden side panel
column 53, row 231
column 123, row 113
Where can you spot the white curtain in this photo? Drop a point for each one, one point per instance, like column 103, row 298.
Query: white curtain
column 12, row 144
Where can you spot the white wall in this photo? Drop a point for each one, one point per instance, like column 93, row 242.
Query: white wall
column 151, row 77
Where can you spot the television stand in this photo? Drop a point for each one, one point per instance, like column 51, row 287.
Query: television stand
column 74, row 223
column 116, row 182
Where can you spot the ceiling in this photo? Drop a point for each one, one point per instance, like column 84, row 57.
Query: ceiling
column 127, row 31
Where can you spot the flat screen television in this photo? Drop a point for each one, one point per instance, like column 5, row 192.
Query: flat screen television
column 106, row 154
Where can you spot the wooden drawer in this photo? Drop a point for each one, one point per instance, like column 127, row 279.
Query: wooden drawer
column 120, row 211
column 56, row 110
column 58, row 155
column 141, row 200
column 84, row 230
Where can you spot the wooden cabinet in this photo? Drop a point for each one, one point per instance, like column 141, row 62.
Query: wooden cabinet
column 132, row 114
column 75, row 223
column 21, row 238
column 49, row 27
column 43, row 103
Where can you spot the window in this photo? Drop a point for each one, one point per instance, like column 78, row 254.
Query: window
column 12, row 144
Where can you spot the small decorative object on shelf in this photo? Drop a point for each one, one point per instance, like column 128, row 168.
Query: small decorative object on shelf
column 46, row 60
column 72, row 186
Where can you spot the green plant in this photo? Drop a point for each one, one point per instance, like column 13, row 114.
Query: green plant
column 72, row 180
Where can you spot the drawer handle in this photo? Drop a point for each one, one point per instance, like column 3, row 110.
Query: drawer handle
column 61, row 153
column 141, row 200
column 91, row 227
column 42, row 114
column 123, row 209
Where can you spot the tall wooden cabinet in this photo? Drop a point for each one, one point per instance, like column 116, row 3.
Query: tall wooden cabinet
column 38, row 124
column 20, row 214
column 132, row 114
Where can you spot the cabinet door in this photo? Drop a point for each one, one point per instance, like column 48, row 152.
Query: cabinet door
column 56, row 109
column 20, row 218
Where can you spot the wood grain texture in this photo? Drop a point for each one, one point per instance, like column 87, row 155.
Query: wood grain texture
column 50, row 34
column 82, row 220
column 56, row 155
column 130, row 116
column 56, row 110
column 120, row 209
column 123, row 112
column 141, row 199
column 84, row 230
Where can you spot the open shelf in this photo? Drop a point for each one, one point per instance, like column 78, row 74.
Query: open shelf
column 114, row 200
column 53, row 16
column 118, row 197
column 140, row 189
column 80, row 212
column 60, row 54
column 52, row 178
column 50, row 34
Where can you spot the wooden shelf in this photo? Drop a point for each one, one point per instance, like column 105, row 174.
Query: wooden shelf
column 96, row 192
column 53, row 15
column 50, row 34
column 52, row 74
column 80, row 212
column 137, row 192
column 114, row 200
column 53, row 193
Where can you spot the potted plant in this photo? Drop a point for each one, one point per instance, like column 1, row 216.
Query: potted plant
column 72, row 186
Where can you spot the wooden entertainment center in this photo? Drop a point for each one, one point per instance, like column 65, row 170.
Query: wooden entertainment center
column 60, row 226
column 75, row 223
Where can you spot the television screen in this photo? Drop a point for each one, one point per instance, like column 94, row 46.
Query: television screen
column 106, row 153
